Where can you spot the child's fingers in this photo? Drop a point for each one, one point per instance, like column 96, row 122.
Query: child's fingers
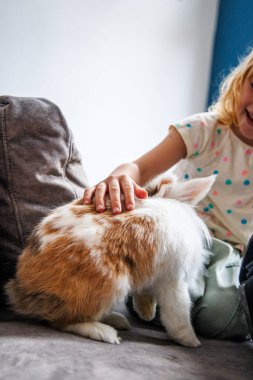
column 140, row 192
column 100, row 192
column 88, row 194
column 127, row 187
column 114, row 192
column 115, row 185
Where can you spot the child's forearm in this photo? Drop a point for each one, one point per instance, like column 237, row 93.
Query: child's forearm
column 128, row 178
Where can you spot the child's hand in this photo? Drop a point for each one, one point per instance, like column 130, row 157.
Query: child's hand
column 114, row 185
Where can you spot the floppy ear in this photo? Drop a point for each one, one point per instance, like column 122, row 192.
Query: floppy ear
column 191, row 191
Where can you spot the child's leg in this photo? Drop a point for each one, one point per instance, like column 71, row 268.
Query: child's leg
column 219, row 312
column 246, row 288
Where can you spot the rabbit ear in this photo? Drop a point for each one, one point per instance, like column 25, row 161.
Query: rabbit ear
column 191, row 191
column 165, row 185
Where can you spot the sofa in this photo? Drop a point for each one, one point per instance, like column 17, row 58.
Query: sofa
column 29, row 351
column 40, row 168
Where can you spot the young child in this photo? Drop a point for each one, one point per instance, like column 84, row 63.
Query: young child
column 216, row 142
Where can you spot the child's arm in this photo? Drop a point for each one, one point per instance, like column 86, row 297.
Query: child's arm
column 128, row 178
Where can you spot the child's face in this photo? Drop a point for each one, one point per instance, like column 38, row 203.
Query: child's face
column 245, row 112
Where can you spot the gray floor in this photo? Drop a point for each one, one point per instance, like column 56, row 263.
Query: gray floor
column 34, row 352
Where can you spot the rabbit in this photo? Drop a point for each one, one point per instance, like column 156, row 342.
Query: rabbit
column 78, row 263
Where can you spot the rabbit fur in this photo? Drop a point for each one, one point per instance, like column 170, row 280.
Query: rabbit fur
column 78, row 263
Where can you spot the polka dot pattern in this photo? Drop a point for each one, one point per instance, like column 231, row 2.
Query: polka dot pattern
column 213, row 149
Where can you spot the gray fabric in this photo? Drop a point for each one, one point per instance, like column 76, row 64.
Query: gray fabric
column 29, row 352
column 217, row 313
column 40, row 168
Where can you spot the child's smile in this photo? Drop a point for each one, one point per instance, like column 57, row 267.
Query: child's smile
column 250, row 116
column 245, row 113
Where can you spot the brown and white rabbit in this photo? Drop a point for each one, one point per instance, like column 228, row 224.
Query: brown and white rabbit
column 78, row 264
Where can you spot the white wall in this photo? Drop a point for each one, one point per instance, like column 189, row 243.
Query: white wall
column 120, row 70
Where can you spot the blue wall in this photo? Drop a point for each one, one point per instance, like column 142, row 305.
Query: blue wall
column 233, row 39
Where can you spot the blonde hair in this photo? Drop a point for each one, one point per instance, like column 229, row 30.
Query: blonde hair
column 230, row 91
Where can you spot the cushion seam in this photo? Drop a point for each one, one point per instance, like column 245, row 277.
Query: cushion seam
column 65, row 165
column 7, row 166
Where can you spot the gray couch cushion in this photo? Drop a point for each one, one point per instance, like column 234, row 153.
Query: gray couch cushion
column 40, row 168
column 32, row 351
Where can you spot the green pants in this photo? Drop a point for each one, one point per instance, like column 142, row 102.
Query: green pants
column 217, row 312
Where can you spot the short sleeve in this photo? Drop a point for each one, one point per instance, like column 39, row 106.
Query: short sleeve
column 197, row 132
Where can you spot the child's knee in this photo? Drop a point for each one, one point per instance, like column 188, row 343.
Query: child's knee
column 214, row 321
column 206, row 322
